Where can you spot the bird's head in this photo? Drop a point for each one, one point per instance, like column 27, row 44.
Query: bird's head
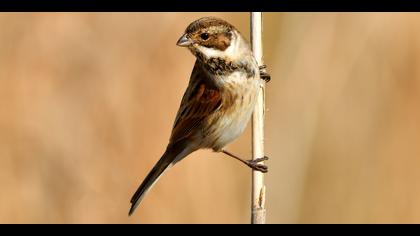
column 214, row 38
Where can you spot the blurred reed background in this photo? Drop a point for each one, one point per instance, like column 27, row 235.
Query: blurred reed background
column 87, row 102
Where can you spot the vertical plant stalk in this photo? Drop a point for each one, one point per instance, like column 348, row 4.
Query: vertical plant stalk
column 258, row 188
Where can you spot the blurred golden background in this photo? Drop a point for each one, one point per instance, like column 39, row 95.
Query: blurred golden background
column 87, row 102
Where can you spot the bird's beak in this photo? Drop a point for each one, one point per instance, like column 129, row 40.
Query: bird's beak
column 184, row 41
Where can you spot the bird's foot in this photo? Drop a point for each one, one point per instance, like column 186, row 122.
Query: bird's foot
column 254, row 164
column 264, row 75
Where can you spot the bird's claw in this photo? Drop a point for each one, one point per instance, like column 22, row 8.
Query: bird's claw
column 258, row 160
column 254, row 164
column 264, row 75
column 258, row 167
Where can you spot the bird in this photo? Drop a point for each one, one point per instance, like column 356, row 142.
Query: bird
column 219, row 100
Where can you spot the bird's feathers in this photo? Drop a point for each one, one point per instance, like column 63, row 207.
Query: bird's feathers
column 201, row 99
column 174, row 153
column 209, row 23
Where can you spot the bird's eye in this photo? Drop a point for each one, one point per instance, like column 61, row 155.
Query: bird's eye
column 204, row 36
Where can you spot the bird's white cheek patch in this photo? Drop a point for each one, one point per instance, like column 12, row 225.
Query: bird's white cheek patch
column 211, row 52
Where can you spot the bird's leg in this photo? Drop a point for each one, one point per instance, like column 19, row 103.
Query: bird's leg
column 264, row 74
column 253, row 164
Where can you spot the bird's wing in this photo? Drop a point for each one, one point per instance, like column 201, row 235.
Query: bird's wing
column 200, row 100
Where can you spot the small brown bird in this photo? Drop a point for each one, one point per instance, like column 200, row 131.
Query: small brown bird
column 219, row 100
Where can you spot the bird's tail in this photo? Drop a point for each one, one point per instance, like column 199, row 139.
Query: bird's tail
column 169, row 158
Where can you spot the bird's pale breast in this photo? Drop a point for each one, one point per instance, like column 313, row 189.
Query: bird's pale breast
column 239, row 97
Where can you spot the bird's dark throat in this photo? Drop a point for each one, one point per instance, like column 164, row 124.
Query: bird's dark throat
column 221, row 67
